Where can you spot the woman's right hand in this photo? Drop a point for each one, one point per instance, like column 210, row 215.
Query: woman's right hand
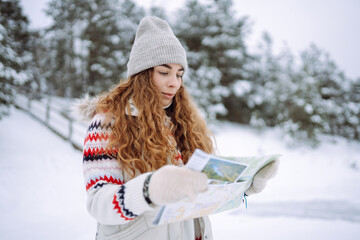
column 171, row 184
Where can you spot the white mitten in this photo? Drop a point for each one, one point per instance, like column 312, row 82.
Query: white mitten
column 170, row 184
column 262, row 176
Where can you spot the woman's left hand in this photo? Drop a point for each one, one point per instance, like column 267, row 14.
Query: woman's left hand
column 263, row 176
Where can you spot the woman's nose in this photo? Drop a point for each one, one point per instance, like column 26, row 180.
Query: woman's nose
column 173, row 81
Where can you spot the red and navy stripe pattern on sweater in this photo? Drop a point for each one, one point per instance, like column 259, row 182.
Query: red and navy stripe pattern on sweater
column 113, row 197
column 104, row 179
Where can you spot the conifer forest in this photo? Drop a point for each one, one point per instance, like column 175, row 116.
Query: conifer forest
column 86, row 48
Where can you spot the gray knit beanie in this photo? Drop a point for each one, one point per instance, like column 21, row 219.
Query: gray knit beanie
column 155, row 44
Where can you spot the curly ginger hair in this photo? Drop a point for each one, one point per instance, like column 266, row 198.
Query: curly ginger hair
column 145, row 142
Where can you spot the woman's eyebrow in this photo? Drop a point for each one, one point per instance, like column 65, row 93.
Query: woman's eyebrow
column 169, row 67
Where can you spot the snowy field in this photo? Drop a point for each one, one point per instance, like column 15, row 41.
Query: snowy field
column 316, row 194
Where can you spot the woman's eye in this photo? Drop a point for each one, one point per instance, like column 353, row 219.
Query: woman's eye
column 163, row 73
column 179, row 76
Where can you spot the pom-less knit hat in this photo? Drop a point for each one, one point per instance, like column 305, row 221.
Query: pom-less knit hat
column 155, row 44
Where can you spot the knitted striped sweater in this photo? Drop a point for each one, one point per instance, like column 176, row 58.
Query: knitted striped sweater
column 112, row 196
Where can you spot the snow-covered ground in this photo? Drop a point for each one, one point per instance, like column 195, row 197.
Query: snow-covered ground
column 314, row 196
column 42, row 189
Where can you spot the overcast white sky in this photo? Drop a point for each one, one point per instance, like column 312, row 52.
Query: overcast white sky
column 333, row 25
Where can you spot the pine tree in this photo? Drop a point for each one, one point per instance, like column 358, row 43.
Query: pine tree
column 110, row 32
column 227, row 52
column 191, row 27
column 37, row 57
column 316, row 104
column 102, row 35
column 217, row 54
column 352, row 110
column 13, row 39
column 89, row 44
column 128, row 16
column 62, row 66
column 271, row 83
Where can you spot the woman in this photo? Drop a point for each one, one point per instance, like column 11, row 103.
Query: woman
column 143, row 131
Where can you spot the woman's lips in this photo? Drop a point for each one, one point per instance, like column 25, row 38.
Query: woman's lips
column 168, row 95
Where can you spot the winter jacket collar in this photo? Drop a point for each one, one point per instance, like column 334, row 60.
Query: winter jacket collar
column 85, row 108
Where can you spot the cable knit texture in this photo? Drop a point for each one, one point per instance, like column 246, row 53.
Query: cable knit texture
column 263, row 176
column 106, row 185
column 170, row 184
column 116, row 200
column 155, row 44
column 113, row 196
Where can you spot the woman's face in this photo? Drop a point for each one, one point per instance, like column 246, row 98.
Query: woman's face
column 167, row 79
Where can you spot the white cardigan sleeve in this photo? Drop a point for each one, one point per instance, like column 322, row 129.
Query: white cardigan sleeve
column 110, row 200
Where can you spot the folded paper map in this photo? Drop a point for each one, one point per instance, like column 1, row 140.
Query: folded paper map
column 229, row 178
